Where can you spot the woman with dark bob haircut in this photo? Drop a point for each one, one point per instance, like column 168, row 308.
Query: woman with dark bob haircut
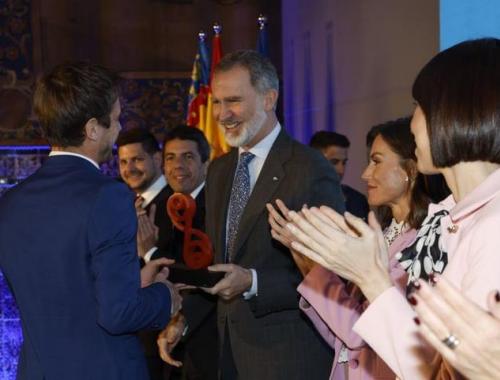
column 456, row 125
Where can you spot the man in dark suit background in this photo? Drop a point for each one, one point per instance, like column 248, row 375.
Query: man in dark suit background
column 140, row 164
column 186, row 155
column 68, row 242
column 263, row 333
column 335, row 147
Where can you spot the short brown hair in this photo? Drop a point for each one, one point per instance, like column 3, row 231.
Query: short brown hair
column 325, row 139
column 184, row 132
column 141, row 136
column 459, row 93
column 263, row 75
column 69, row 96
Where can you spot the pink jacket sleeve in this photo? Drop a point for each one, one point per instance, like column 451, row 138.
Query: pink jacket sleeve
column 326, row 294
column 474, row 268
column 387, row 326
column 338, row 308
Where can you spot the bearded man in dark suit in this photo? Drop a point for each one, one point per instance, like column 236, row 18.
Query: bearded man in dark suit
column 262, row 331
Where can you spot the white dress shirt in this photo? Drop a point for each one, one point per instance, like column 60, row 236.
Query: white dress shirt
column 153, row 190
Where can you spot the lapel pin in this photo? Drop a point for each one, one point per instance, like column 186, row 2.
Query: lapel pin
column 275, row 179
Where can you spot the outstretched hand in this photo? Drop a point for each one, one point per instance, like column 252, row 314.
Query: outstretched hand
column 236, row 281
column 154, row 268
column 169, row 338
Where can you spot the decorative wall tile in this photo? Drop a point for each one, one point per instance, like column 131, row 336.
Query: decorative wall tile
column 157, row 104
column 16, row 37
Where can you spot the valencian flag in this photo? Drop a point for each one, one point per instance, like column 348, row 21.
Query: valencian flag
column 198, row 92
column 209, row 126
column 262, row 41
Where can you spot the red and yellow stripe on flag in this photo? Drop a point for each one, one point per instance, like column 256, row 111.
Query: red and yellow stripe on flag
column 208, row 124
column 199, row 85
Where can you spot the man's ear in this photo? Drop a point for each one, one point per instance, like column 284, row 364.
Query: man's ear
column 270, row 99
column 91, row 129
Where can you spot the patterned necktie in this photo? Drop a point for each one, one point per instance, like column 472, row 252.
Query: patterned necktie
column 239, row 198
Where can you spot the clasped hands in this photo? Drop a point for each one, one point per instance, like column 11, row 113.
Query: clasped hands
column 344, row 244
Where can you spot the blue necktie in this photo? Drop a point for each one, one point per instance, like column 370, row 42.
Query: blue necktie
column 239, row 198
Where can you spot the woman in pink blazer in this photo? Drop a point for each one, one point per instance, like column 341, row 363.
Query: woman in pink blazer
column 456, row 125
column 401, row 199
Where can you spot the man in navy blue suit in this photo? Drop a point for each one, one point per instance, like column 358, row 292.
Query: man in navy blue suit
column 68, row 243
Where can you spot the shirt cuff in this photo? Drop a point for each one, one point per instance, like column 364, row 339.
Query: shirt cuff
column 253, row 289
column 147, row 256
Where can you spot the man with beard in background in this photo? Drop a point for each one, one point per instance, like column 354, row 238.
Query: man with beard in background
column 140, row 164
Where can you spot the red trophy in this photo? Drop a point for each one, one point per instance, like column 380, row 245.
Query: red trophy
column 197, row 252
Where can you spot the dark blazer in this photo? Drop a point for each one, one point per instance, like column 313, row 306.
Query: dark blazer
column 68, row 251
column 162, row 221
column 269, row 336
column 156, row 366
column 200, row 342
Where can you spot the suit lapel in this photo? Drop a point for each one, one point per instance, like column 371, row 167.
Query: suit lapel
column 270, row 177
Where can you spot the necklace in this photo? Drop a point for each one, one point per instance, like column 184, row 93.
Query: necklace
column 393, row 231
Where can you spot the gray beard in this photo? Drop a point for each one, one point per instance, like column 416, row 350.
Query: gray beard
column 248, row 133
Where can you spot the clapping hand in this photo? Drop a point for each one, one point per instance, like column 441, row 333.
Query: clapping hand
column 147, row 231
column 443, row 312
column 278, row 221
column 346, row 245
